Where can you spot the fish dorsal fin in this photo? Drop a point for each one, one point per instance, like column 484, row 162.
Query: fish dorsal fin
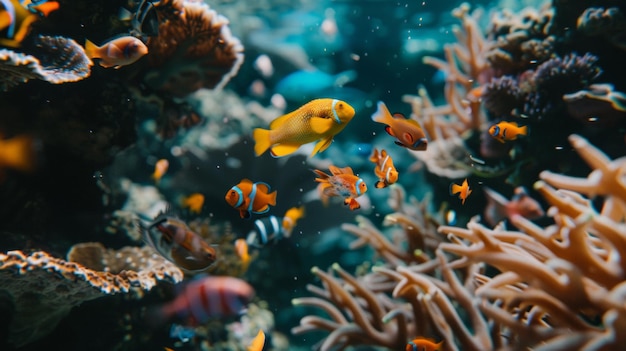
column 280, row 121
column 246, row 181
column 336, row 170
column 321, row 125
column 263, row 187
column 398, row 115
column 281, row 150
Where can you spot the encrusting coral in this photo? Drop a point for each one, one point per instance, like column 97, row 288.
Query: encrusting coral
column 43, row 289
column 558, row 287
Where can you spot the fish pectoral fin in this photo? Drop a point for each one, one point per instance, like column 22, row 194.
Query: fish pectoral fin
column 408, row 137
column 321, row 125
column 262, row 210
column 322, row 145
column 399, row 143
column 352, row 203
column 389, row 131
column 281, row 150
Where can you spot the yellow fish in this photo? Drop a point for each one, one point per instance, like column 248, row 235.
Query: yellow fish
column 318, row 120
column 408, row 132
column 291, row 218
column 385, row 170
column 258, row 342
column 507, row 131
column 160, row 167
column 194, row 202
column 463, row 190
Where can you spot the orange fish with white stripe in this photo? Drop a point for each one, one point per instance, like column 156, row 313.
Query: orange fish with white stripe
column 160, row 167
column 249, row 197
column 385, row 170
column 319, row 120
column 342, row 183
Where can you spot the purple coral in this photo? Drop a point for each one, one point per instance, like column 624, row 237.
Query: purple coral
column 501, row 95
column 566, row 74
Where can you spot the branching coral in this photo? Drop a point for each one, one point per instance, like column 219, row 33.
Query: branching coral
column 559, row 287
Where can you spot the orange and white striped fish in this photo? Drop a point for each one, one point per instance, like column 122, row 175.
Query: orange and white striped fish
column 385, row 170
column 290, row 219
column 160, row 167
column 342, row 183
column 249, row 197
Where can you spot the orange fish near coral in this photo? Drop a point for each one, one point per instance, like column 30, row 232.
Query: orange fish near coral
column 175, row 241
column 423, row 344
column 241, row 248
column 19, row 153
column 258, row 342
column 408, row 132
column 507, row 131
column 385, row 170
column 249, row 197
column 463, row 190
column 160, row 167
column 319, row 120
column 290, row 219
column 342, row 183
column 117, row 52
column 498, row 207
column 194, row 202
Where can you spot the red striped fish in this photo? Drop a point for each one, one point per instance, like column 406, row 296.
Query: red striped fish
column 207, row 298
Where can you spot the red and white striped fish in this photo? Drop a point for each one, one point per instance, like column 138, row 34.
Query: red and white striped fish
column 207, row 298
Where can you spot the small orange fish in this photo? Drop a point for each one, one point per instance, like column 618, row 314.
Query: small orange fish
column 507, row 131
column 408, row 132
column 291, row 218
column 18, row 16
column 342, row 183
column 194, row 202
column 463, row 190
column 241, row 248
column 176, row 242
column 258, row 342
column 160, row 167
column 319, row 120
column 249, row 197
column 19, row 153
column 117, row 52
column 423, row 344
column 385, row 170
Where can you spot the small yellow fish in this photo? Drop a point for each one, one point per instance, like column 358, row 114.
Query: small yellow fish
column 507, row 131
column 385, row 170
column 160, row 167
column 463, row 190
column 258, row 342
column 407, row 132
column 241, row 248
column 342, row 183
column 291, row 218
column 194, row 202
column 248, row 198
column 18, row 153
column 318, row 120
column 423, row 344
column 117, row 52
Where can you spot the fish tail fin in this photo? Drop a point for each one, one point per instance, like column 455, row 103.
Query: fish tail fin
column 19, row 152
column 382, row 114
column 91, row 49
column 323, row 177
column 272, row 198
column 455, row 189
column 374, row 157
column 261, row 140
column 380, row 184
column 523, row 130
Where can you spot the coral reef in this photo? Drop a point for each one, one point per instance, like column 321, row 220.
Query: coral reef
column 43, row 289
column 485, row 289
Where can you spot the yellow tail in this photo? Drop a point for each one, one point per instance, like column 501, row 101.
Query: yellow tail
column 272, row 198
column 261, row 140
column 91, row 49
column 523, row 130
column 18, row 153
column 455, row 189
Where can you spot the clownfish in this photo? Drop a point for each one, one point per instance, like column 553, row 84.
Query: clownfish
column 319, row 120
column 385, row 170
column 175, row 241
column 258, row 342
column 249, row 197
column 160, row 167
column 423, row 344
column 408, row 132
column 117, row 52
column 18, row 16
column 463, row 190
column 342, row 183
column 226, row 296
column 194, row 202
column 290, row 219
column 507, row 131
